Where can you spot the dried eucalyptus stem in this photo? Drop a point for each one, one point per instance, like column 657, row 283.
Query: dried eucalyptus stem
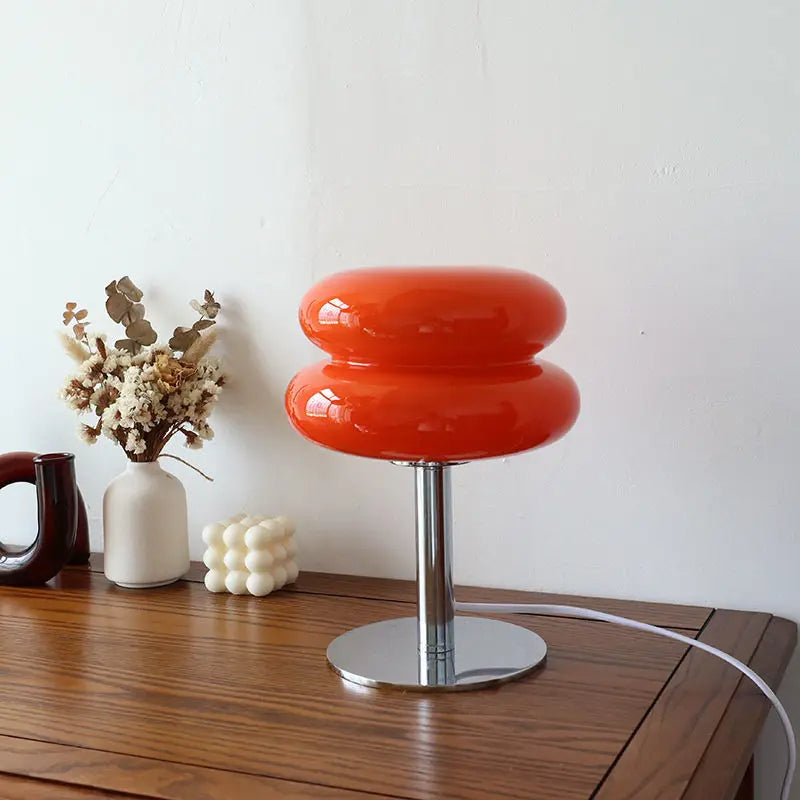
column 184, row 461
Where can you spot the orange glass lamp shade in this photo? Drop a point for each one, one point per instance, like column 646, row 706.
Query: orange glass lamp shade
column 432, row 364
column 431, row 367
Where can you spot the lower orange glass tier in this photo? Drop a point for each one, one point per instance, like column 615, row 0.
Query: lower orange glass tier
column 435, row 416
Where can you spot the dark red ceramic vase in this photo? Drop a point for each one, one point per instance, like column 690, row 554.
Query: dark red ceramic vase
column 63, row 536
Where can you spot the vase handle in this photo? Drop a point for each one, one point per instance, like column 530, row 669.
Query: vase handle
column 61, row 514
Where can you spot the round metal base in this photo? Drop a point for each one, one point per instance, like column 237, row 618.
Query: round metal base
column 487, row 652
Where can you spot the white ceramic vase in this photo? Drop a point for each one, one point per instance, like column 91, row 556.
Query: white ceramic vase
column 145, row 528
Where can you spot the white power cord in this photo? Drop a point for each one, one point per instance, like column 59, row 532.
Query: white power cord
column 588, row 613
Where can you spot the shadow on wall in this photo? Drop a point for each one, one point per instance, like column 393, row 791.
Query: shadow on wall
column 279, row 463
column 273, row 467
column 251, row 402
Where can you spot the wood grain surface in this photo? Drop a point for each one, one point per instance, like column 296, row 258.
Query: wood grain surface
column 144, row 777
column 176, row 693
column 13, row 787
column 728, row 757
column 663, row 614
column 662, row 756
column 747, row 787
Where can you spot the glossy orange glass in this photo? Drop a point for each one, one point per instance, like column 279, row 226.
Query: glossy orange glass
column 432, row 364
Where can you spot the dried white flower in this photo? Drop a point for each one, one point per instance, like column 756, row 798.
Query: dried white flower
column 141, row 401
column 87, row 434
column 205, row 432
column 134, row 443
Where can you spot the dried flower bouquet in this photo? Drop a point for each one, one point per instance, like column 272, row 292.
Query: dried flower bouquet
column 143, row 393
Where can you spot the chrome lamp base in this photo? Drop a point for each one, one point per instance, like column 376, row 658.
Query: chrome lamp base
column 487, row 652
column 435, row 650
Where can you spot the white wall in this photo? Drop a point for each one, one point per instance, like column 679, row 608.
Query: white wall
column 643, row 157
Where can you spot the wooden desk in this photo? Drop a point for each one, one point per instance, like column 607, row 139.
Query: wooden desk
column 179, row 694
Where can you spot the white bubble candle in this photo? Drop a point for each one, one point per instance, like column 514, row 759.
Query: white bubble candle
column 250, row 554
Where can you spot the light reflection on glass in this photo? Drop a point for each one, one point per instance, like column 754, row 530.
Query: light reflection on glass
column 327, row 404
column 331, row 311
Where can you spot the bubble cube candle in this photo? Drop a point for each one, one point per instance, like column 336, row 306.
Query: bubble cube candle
column 250, row 554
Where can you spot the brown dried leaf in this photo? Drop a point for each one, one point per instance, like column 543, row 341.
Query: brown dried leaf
column 101, row 348
column 82, row 314
column 68, row 317
column 116, row 305
column 182, row 338
column 197, row 306
column 202, row 324
column 128, row 344
column 71, row 306
column 211, row 306
column 79, row 331
column 111, row 288
column 141, row 332
column 134, row 313
column 129, row 289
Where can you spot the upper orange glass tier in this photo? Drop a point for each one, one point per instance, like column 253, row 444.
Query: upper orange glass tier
column 431, row 316
column 432, row 364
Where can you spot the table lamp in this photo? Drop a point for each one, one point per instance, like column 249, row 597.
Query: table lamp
column 431, row 367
